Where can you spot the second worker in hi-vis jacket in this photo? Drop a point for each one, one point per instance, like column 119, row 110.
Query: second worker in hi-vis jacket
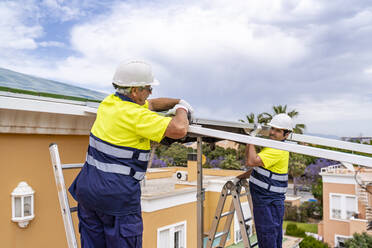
column 268, row 184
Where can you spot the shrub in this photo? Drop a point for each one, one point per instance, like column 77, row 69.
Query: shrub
column 359, row 241
column 293, row 230
column 311, row 242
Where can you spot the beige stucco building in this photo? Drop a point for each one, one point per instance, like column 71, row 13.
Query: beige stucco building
column 347, row 207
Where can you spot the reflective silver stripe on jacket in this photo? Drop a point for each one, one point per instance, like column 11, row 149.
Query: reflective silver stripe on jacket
column 266, row 173
column 266, row 186
column 144, row 157
column 116, row 152
column 114, row 168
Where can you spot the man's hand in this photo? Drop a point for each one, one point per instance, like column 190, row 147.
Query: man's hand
column 189, row 107
column 185, row 105
column 256, row 130
column 174, row 109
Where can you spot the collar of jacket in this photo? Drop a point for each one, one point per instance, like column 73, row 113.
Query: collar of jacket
column 123, row 97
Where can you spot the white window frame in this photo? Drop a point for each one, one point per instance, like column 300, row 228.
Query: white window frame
column 236, row 223
column 342, row 207
column 340, row 236
column 172, row 229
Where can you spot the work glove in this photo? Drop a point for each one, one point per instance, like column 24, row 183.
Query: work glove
column 173, row 110
column 189, row 107
column 256, row 130
column 185, row 105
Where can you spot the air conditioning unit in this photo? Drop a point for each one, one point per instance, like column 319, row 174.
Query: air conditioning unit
column 181, row 175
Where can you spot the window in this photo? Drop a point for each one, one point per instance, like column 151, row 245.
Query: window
column 247, row 214
column 172, row 236
column 343, row 207
column 340, row 241
column 336, row 206
column 350, row 207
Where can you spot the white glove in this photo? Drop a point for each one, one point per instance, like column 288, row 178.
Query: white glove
column 173, row 110
column 257, row 129
column 189, row 107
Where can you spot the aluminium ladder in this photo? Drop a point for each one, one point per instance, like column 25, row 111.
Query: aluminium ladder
column 62, row 194
column 235, row 190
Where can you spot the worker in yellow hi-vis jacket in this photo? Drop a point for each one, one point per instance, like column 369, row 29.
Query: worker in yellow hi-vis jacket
column 268, row 183
column 107, row 188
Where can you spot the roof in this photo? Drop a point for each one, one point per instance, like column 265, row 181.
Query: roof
column 11, row 81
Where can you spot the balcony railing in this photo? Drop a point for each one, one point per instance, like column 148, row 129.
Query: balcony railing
column 336, row 169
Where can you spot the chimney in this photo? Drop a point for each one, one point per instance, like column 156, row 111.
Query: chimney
column 192, row 169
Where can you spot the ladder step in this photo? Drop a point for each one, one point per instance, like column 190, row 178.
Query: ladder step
column 71, row 166
column 227, row 213
column 248, row 219
column 244, row 194
column 220, row 234
column 73, row 209
column 254, row 244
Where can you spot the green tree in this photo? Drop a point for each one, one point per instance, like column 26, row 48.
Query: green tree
column 176, row 155
column 317, row 191
column 230, row 163
column 296, row 167
column 363, row 240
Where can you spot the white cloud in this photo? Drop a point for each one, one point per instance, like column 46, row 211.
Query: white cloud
column 368, row 70
column 339, row 114
column 51, row 44
column 194, row 35
column 14, row 32
column 64, row 10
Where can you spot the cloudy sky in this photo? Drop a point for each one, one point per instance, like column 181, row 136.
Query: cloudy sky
column 227, row 58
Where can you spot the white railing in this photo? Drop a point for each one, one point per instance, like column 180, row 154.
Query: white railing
column 336, row 169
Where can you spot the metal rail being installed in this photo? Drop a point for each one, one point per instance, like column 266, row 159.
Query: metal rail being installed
column 235, row 131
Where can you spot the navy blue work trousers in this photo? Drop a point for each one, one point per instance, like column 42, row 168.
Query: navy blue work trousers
column 98, row 230
column 268, row 220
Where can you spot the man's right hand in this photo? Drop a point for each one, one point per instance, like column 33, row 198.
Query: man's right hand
column 189, row 108
column 185, row 105
column 173, row 110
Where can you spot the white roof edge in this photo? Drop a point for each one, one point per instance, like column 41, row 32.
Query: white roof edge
column 176, row 192
column 88, row 102
column 47, row 105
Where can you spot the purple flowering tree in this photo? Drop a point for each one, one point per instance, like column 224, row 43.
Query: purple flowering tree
column 158, row 162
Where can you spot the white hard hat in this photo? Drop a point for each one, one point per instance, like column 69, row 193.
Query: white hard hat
column 134, row 74
column 281, row 121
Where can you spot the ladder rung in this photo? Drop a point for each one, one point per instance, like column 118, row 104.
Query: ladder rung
column 71, row 166
column 248, row 219
column 73, row 209
column 254, row 244
column 227, row 213
column 220, row 234
column 244, row 194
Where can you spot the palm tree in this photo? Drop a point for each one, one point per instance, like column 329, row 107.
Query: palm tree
column 266, row 117
column 251, row 118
